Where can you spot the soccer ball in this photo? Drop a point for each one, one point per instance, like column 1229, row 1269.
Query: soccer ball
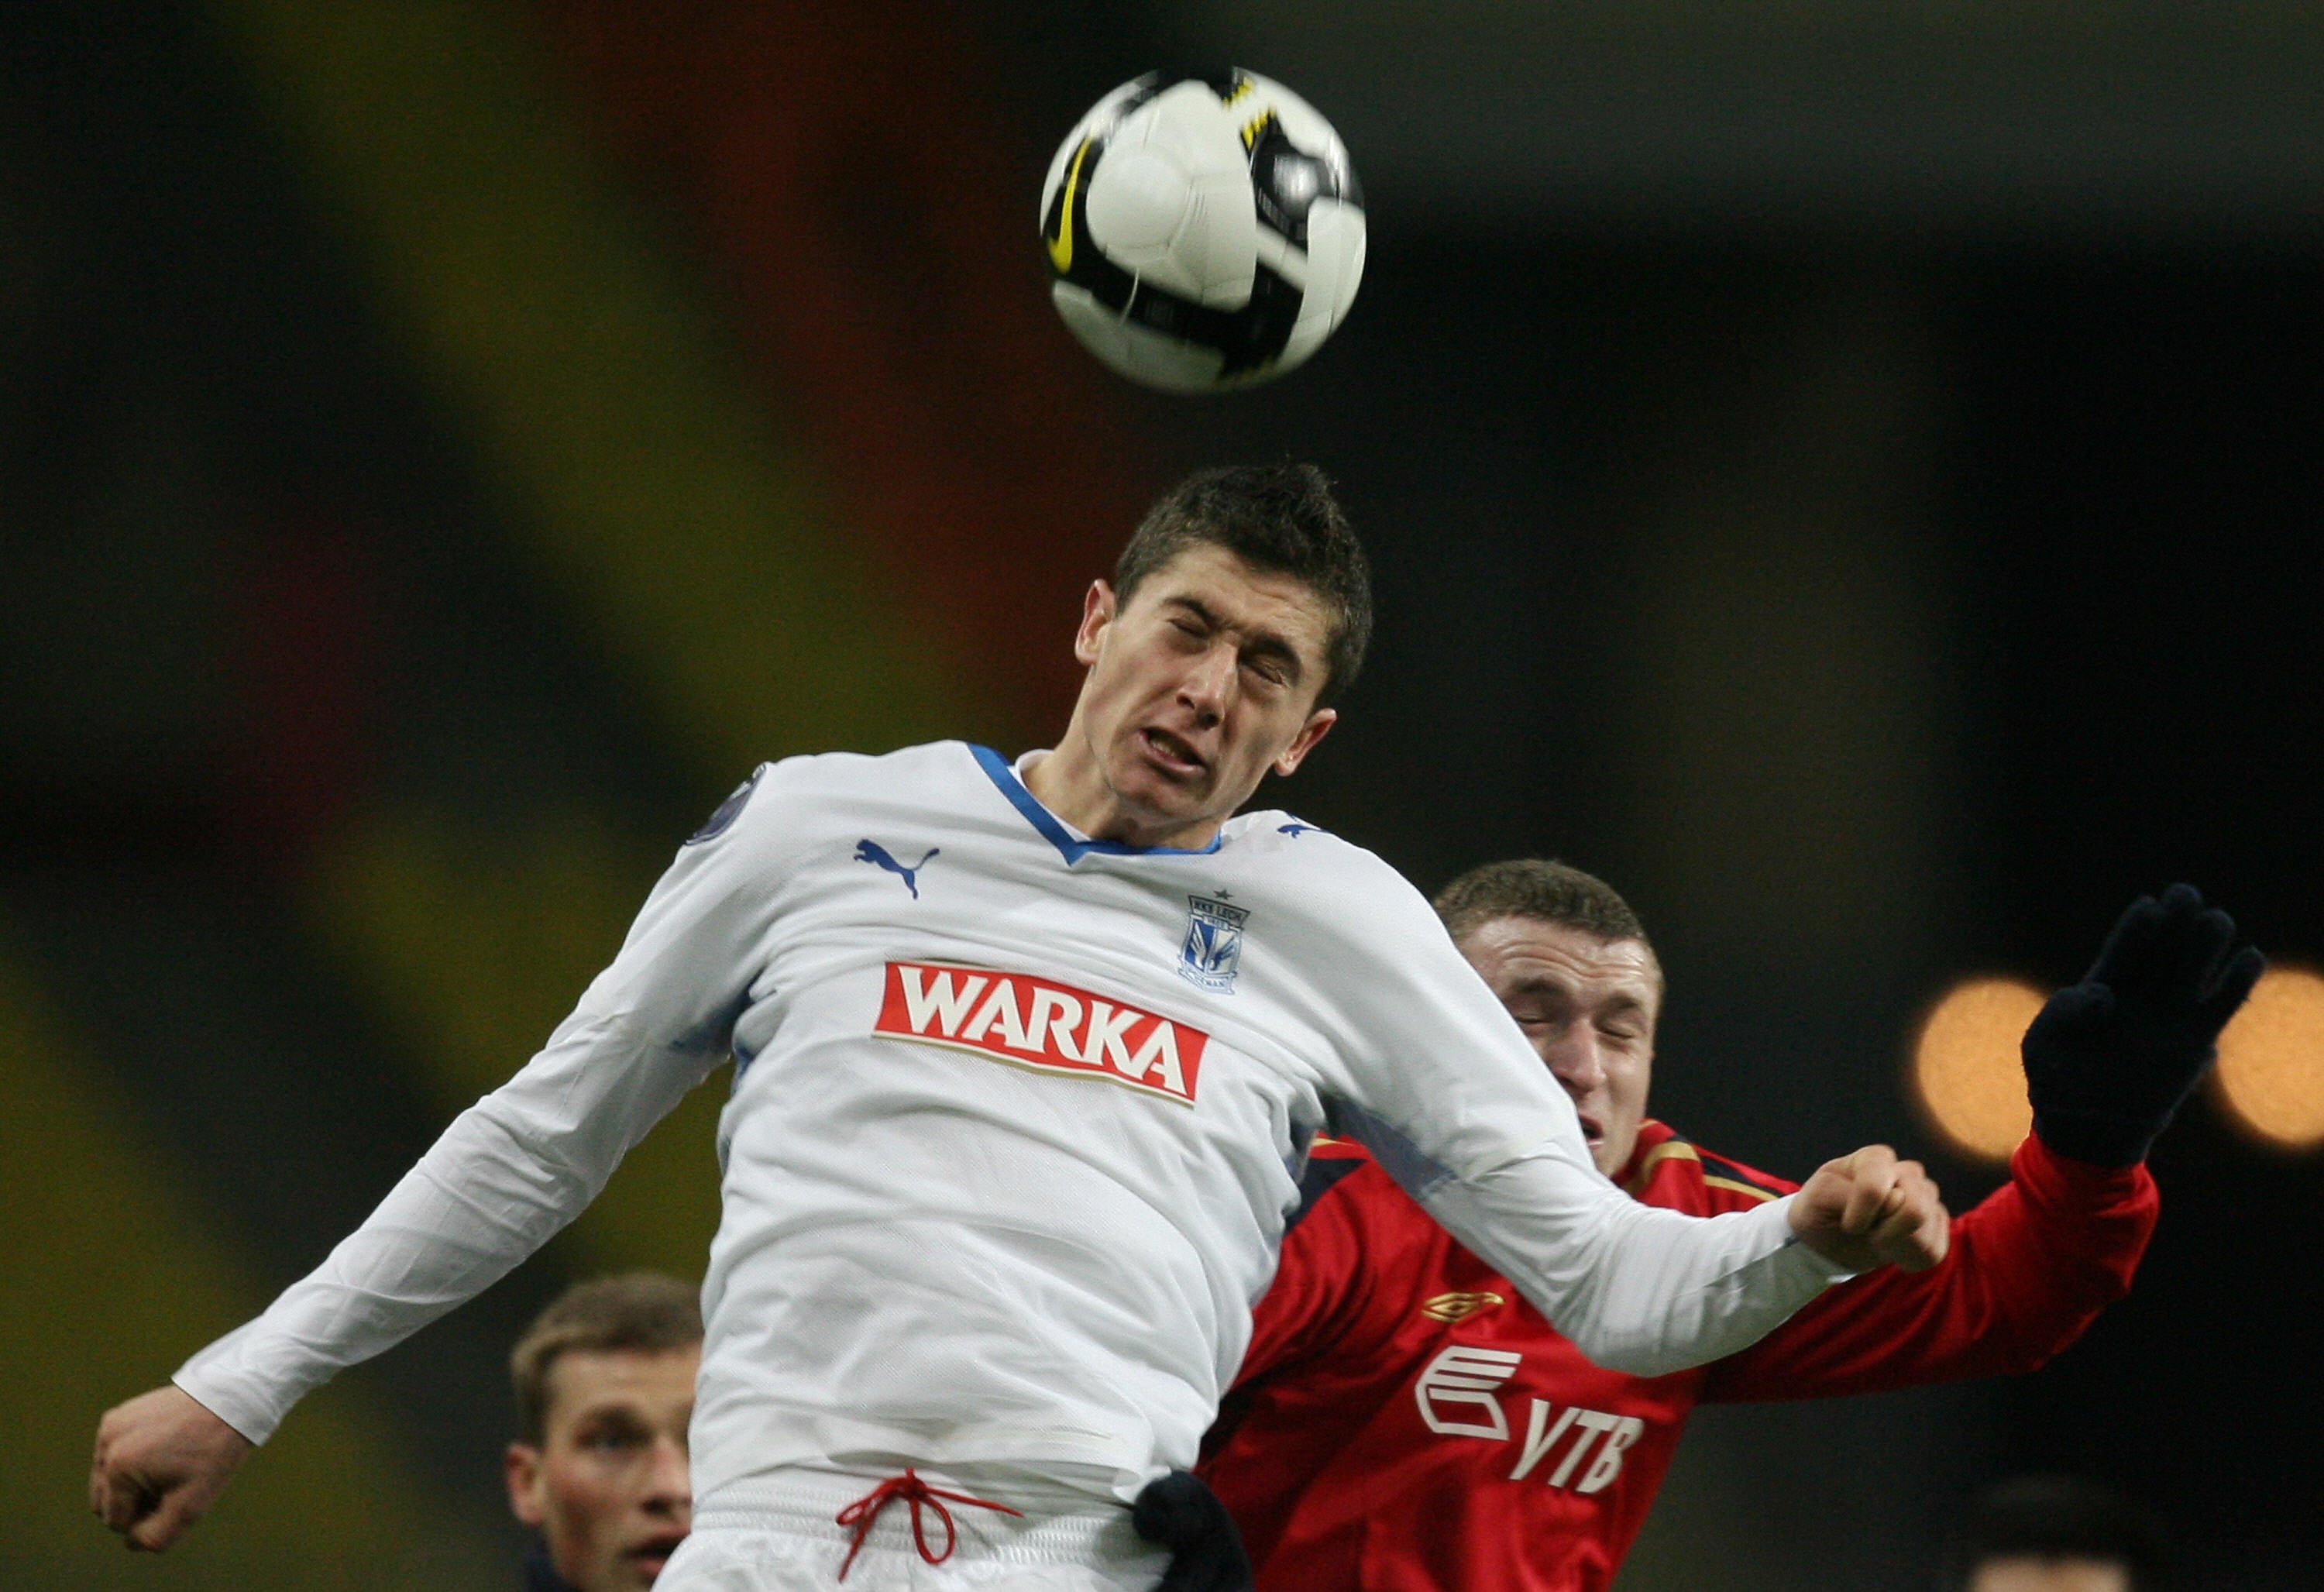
column 1203, row 233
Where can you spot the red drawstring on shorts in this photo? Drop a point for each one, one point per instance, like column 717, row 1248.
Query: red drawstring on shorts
column 909, row 1486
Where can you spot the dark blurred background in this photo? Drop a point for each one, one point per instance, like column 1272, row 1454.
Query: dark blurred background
column 1849, row 474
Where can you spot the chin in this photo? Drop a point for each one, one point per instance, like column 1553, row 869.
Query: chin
column 1156, row 799
column 1610, row 1159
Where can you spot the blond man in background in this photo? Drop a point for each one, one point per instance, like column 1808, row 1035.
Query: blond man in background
column 605, row 1388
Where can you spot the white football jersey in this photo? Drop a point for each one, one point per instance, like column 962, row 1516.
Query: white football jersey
column 1017, row 1119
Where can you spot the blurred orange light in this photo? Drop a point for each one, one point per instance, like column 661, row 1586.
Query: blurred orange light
column 2272, row 1060
column 1966, row 1069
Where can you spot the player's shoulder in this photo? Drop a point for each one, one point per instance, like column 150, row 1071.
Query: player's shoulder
column 1326, row 874
column 1670, row 1170
column 931, row 764
column 1273, row 834
column 1342, row 1176
column 783, row 798
column 936, row 770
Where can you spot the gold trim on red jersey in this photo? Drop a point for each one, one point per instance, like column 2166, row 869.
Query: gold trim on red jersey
column 1754, row 1189
column 1673, row 1149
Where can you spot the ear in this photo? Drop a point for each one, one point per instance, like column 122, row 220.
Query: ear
column 521, row 1468
column 1318, row 725
column 1098, row 607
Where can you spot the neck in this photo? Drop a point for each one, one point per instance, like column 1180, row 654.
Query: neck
column 541, row 1571
column 1071, row 783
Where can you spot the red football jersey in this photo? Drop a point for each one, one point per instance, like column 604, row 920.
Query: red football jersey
column 1404, row 1421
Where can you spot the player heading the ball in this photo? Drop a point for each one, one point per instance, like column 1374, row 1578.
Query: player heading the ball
column 1027, row 1054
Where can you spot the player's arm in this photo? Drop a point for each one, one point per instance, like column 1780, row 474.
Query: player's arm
column 2106, row 1065
column 509, row 1173
column 1446, row 1092
column 1648, row 1291
column 2029, row 1269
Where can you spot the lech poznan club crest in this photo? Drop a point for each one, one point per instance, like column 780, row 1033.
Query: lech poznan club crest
column 1213, row 945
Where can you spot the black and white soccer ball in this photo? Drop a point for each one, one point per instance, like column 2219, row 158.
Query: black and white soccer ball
column 1203, row 233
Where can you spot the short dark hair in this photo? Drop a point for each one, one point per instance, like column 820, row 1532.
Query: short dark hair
column 1278, row 518
column 638, row 1312
column 1541, row 889
column 2057, row 1517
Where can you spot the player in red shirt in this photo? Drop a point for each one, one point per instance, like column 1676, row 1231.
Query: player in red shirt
column 1405, row 1419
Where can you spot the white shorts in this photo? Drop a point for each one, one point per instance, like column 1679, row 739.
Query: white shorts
column 777, row 1534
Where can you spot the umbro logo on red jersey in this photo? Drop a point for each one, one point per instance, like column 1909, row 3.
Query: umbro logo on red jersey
column 1031, row 1022
column 1449, row 1308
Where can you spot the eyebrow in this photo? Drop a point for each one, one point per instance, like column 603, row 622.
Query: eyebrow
column 612, row 1409
column 1620, row 1001
column 1257, row 643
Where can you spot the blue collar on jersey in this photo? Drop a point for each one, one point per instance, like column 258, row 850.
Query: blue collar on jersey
column 1055, row 833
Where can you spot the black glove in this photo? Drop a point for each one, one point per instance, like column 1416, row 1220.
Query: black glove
column 2108, row 1060
column 1180, row 1513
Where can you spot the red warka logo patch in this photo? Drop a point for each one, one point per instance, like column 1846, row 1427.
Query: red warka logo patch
column 1031, row 1022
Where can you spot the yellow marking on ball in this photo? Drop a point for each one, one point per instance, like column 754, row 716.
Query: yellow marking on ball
column 1061, row 247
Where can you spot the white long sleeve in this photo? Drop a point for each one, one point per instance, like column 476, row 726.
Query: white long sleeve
column 1636, row 1288
column 510, row 1170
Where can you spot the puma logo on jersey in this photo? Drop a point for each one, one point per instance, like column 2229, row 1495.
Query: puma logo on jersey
column 874, row 852
column 1030, row 1022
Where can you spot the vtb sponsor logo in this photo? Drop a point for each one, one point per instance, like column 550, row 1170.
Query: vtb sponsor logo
column 1458, row 1396
column 1031, row 1022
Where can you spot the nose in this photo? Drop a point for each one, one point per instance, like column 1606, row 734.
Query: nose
column 1207, row 681
column 669, row 1483
column 1576, row 1060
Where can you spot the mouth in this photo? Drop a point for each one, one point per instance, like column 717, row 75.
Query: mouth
column 651, row 1556
column 1593, row 1132
column 1172, row 755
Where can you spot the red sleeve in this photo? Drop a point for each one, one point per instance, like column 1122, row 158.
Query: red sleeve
column 1319, row 1286
column 2029, row 1268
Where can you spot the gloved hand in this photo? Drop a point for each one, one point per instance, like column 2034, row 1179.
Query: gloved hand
column 1182, row 1514
column 2108, row 1060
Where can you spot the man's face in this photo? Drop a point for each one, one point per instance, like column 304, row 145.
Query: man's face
column 2030, row 1573
column 608, row 1485
column 1589, row 1005
column 1198, row 685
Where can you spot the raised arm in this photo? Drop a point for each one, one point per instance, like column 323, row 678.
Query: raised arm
column 2029, row 1268
column 509, row 1173
column 1455, row 1105
column 1648, row 1291
column 2106, row 1065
